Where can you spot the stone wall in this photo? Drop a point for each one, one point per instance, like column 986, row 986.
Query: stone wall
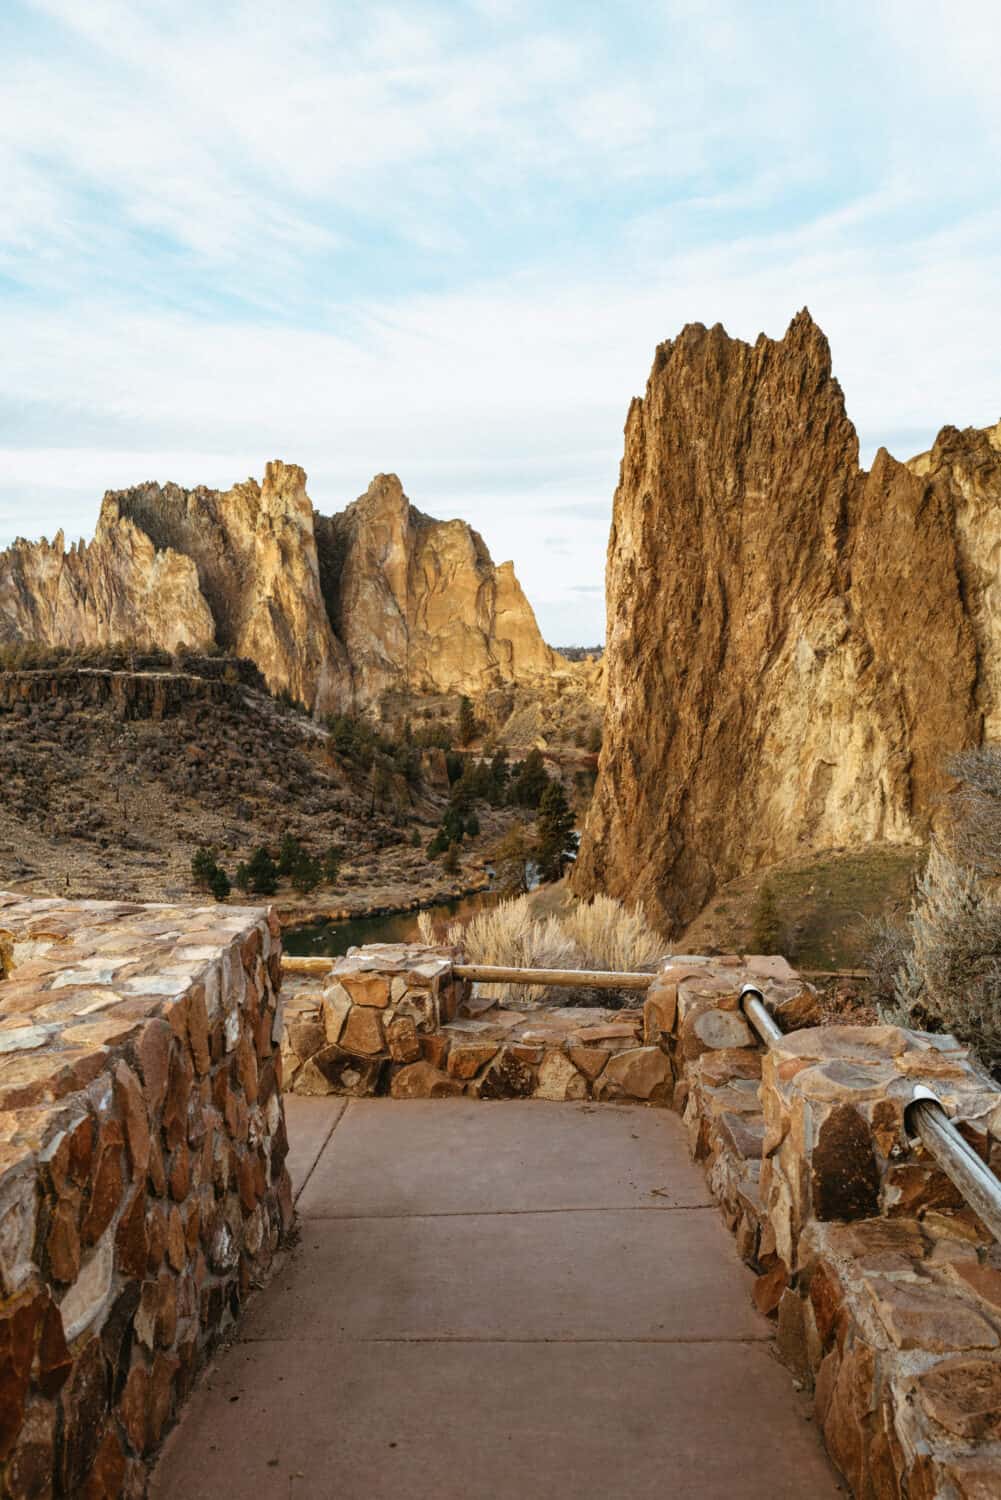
column 143, row 1189
column 392, row 1019
column 885, row 1286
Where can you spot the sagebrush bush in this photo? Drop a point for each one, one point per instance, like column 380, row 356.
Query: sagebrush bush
column 949, row 978
column 602, row 934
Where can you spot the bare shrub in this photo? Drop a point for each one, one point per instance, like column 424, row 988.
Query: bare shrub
column 887, row 945
column 950, row 975
column 975, row 833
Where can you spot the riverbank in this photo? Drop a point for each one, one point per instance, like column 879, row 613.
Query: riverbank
column 382, row 899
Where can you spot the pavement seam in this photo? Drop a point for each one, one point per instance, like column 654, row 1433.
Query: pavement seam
column 316, row 1160
column 753, row 1340
column 507, row 1213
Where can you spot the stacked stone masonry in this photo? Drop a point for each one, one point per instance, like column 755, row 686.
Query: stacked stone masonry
column 885, row 1287
column 143, row 1188
column 395, row 1019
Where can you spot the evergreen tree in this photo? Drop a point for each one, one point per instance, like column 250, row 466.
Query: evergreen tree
column 332, row 864
column 219, row 883
column 203, row 863
column 306, row 873
column 529, row 780
column 467, row 727
column 289, row 852
column 499, row 773
column 262, row 873
column 472, row 826
column 450, row 864
column 556, row 841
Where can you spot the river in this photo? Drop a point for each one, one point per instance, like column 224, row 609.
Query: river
column 332, row 938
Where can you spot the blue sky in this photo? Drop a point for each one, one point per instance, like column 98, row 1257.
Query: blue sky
column 444, row 239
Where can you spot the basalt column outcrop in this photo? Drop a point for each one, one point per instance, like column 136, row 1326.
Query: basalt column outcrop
column 794, row 646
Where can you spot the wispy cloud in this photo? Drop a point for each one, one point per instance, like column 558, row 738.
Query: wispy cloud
column 445, row 239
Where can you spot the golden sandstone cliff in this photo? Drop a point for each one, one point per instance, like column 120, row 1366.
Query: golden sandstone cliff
column 334, row 610
column 794, row 646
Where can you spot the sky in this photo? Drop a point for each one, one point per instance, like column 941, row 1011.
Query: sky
column 445, row 239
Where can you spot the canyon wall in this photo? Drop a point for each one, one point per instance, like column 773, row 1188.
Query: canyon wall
column 795, row 646
column 333, row 610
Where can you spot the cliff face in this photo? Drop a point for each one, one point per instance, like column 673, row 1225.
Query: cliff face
column 420, row 605
column 335, row 610
column 794, row 646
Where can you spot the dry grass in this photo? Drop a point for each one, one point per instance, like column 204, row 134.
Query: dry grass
column 613, row 936
column 601, row 934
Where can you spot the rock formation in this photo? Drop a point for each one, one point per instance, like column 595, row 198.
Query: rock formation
column 794, row 646
column 334, row 610
column 419, row 604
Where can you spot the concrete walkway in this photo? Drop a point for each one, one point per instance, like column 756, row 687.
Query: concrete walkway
column 498, row 1302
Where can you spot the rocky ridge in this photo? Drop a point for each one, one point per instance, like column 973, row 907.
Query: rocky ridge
column 795, row 646
column 334, row 610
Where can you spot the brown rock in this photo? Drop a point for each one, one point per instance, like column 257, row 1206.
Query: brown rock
column 366, row 989
column 131, row 1244
column 506, row 1078
column 334, row 1071
column 362, row 1035
column 161, row 1396
column 63, row 1243
column 639, row 1073
column 108, row 1184
column 589, row 1060
column 180, row 1076
column 660, row 1011
column 985, row 1281
column 198, row 1030
column 768, row 1289
column 402, row 1040
column 70, row 1164
column 153, row 1057
column 964, row 1397
column 467, row 1058
column 132, row 1406
column 179, row 1177
column 84, row 1404
column 335, row 1011
column 421, row 1080
column 129, row 1096
column 845, row 1172
column 105, row 1480
column 559, row 1079
column 29, row 1474
column 917, row 1316
column 18, row 1324
column 54, row 1360
column 741, row 480
column 176, row 1241
column 434, row 1049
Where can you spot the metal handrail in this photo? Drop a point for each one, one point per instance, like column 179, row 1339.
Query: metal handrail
column 752, row 1003
column 927, row 1118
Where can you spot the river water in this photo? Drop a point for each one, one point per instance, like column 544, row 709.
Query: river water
column 328, row 939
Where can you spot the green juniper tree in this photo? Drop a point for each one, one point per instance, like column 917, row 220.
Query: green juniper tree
column 556, row 841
